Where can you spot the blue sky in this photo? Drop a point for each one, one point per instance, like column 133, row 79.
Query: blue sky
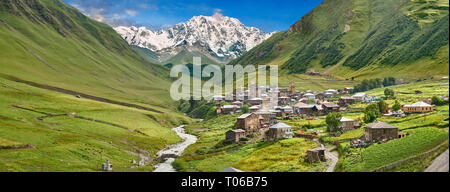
column 268, row 15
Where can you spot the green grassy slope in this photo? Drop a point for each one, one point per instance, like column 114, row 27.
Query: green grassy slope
column 67, row 143
column 146, row 54
column 186, row 57
column 51, row 43
column 362, row 39
column 50, row 53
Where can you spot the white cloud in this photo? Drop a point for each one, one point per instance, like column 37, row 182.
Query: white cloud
column 131, row 12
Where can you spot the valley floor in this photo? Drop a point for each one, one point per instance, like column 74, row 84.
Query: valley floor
column 44, row 130
column 426, row 132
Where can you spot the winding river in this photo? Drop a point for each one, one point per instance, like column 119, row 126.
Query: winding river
column 173, row 151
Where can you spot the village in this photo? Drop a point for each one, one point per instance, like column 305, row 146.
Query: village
column 266, row 115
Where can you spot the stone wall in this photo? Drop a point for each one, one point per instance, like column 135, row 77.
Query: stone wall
column 399, row 163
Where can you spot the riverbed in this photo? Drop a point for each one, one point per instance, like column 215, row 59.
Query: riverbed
column 175, row 150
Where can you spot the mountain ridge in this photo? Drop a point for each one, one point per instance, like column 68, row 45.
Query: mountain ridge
column 49, row 42
column 361, row 39
column 217, row 37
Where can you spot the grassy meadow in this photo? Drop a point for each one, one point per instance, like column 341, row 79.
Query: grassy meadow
column 425, row 132
column 65, row 143
column 210, row 155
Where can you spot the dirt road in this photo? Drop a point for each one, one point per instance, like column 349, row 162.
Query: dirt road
column 333, row 156
column 440, row 164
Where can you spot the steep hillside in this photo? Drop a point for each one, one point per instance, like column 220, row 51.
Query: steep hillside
column 73, row 94
column 362, row 39
column 50, row 43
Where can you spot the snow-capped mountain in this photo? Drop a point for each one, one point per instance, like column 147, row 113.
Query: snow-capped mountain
column 218, row 37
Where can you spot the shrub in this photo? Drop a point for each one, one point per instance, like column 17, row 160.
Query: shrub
column 437, row 101
column 245, row 109
column 243, row 139
column 389, row 93
column 397, row 106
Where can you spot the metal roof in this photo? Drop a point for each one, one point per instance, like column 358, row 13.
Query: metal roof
column 230, row 106
column 243, row 116
column 238, row 130
column 343, row 119
column 330, row 105
column 280, row 126
column 380, row 125
column 419, row 104
column 302, row 105
column 360, row 95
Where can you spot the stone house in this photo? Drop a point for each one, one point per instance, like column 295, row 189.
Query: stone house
column 292, row 89
column 278, row 113
column 318, row 110
column 419, row 107
column 348, row 89
column 230, row 109
column 314, row 155
column 330, row 107
column 238, row 103
column 234, row 136
column 303, row 100
column 269, row 118
column 248, row 122
column 254, row 109
column 279, row 131
column 303, row 108
column 310, row 96
column 218, row 98
column 287, row 109
column 347, row 124
column 219, row 109
column 255, row 101
column 283, row 92
column 360, row 96
column 380, row 131
column 332, row 91
column 328, row 95
column 284, row 100
column 345, row 101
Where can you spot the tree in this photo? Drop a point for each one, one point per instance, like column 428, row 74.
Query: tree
column 333, row 121
column 389, row 93
column 371, row 113
column 389, row 81
column 370, row 117
column 437, row 101
column 245, row 109
column 397, row 106
column 383, row 107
